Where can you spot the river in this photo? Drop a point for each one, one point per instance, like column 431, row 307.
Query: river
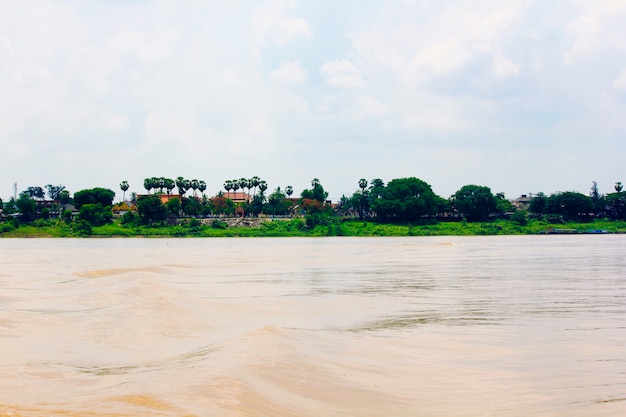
column 414, row 326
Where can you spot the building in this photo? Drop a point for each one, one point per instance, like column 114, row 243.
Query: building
column 122, row 208
column 522, row 202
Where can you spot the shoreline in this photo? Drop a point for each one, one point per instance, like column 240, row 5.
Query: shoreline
column 297, row 228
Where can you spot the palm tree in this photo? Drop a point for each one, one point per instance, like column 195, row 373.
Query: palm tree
column 148, row 184
column 254, row 182
column 244, row 183
column 228, row 185
column 262, row 187
column 235, row 185
column 161, row 181
column 289, row 190
column 618, row 187
column 124, row 186
column 180, row 184
column 315, row 182
column 362, row 184
column 202, row 186
column 169, row 185
column 194, row 186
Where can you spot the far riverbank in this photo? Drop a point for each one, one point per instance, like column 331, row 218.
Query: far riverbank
column 299, row 228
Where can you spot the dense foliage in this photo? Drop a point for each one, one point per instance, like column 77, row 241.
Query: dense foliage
column 403, row 201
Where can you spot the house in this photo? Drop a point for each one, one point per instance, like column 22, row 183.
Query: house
column 122, row 208
column 522, row 202
column 163, row 197
column 239, row 197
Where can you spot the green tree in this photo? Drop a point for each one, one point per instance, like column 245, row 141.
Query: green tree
column 597, row 199
column 160, row 183
column 289, row 191
column 235, row 186
column 572, row 206
column 254, row 182
column 475, row 202
column 616, row 205
column 95, row 195
column 151, row 210
column 54, row 192
column 618, row 187
column 191, row 206
column 170, row 184
column 35, row 192
column 228, row 185
column 148, row 184
column 95, row 214
column 362, row 184
column 406, row 200
column 244, row 183
column 26, row 207
column 277, row 204
column 316, row 192
column 195, row 184
column 202, row 186
column 538, row 204
column 124, row 187
column 377, row 187
column 503, row 205
column 181, row 184
column 174, row 206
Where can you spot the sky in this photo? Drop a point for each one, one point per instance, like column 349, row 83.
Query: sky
column 520, row 96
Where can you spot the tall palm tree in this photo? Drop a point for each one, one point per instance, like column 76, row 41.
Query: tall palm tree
column 244, row 183
column 618, row 187
column 254, row 181
column 169, row 185
column 362, row 184
column 262, row 187
column 228, row 185
column 161, row 181
column 194, row 183
column 315, row 182
column 202, row 186
column 235, row 186
column 124, row 186
column 148, row 184
column 289, row 190
column 180, row 184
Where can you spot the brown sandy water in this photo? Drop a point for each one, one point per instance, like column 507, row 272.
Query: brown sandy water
column 454, row 326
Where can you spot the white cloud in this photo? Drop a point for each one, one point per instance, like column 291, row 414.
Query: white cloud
column 271, row 26
column 207, row 80
column 370, row 106
column 503, row 67
column 619, row 83
column 290, row 73
column 583, row 30
column 342, row 74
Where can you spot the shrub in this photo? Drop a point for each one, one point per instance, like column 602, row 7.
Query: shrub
column 219, row 224
column 82, row 228
column 519, row 217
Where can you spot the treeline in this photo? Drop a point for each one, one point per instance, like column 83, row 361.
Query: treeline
column 402, row 200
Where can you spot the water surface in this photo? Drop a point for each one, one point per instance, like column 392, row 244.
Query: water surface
column 416, row 326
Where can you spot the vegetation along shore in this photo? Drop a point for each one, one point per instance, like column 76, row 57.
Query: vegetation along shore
column 402, row 207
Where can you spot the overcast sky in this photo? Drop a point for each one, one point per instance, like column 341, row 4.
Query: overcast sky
column 520, row 96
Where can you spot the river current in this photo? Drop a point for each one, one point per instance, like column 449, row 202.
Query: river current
column 416, row 326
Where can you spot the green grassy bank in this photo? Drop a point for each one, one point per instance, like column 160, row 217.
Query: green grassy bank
column 298, row 228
